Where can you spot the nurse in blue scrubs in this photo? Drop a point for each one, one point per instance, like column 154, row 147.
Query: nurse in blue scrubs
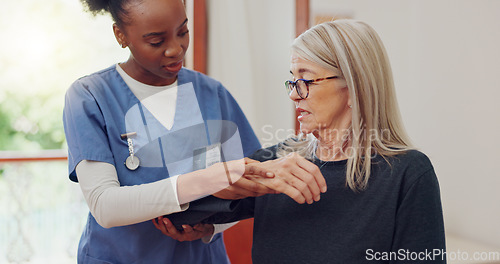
column 147, row 136
column 134, row 127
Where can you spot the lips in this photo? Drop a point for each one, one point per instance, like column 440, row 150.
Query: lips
column 302, row 113
column 174, row 67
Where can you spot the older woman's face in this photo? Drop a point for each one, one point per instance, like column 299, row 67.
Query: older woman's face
column 327, row 106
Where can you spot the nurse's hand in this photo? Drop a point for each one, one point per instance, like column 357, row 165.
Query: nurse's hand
column 188, row 234
column 245, row 187
column 295, row 176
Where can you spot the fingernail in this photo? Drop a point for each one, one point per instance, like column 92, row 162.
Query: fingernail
column 165, row 221
column 270, row 175
column 323, row 190
column 184, row 226
column 317, row 198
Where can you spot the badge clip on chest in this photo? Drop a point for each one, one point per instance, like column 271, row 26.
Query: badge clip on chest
column 132, row 162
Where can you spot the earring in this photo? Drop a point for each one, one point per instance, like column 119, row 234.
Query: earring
column 123, row 45
column 350, row 106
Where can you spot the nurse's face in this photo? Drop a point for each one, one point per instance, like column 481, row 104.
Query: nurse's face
column 157, row 35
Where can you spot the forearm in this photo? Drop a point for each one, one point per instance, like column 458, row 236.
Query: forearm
column 195, row 185
column 114, row 205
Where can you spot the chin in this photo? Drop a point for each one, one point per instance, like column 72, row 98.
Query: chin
column 305, row 130
column 309, row 130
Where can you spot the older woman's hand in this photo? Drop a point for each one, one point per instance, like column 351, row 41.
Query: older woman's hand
column 246, row 187
column 294, row 176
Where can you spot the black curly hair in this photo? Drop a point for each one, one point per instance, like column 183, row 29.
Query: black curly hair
column 114, row 7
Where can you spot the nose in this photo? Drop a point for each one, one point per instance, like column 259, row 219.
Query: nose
column 294, row 96
column 174, row 49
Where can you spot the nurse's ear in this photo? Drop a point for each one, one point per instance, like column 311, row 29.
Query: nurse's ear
column 120, row 36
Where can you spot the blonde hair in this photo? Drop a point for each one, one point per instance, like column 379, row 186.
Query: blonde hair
column 354, row 48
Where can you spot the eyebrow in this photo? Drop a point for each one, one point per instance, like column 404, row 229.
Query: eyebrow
column 303, row 70
column 183, row 23
column 161, row 33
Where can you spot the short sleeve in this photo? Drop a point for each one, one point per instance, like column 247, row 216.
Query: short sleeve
column 85, row 128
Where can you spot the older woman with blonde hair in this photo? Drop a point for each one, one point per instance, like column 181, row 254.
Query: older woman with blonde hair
column 383, row 200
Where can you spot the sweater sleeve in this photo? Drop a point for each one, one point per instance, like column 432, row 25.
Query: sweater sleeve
column 419, row 232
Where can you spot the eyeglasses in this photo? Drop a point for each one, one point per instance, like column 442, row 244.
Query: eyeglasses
column 302, row 86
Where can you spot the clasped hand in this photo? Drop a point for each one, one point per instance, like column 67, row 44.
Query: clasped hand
column 292, row 175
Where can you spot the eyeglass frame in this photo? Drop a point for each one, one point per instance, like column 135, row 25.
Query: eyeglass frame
column 306, row 82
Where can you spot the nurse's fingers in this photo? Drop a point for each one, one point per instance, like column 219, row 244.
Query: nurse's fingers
column 171, row 230
column 252, row 168
column 187, row 229
column 204, row 229
column 253, row 189
column 255, row 169
column 200, row 227
column 188, row 233
column 162, row 224
column 158, row 222
column 157, row 225
column 198, row 231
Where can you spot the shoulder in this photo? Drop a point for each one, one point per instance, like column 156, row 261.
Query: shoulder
column 410, row 167
column 198, row 79
column 92, row 81
column 206, row 87
column 413, row 160
column 92, row 92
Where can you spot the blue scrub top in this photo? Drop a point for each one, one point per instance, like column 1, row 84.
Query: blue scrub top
column 100, row 107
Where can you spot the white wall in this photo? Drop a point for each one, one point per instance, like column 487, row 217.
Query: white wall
column 249, row 53
column 445, row 56
column 456, row 48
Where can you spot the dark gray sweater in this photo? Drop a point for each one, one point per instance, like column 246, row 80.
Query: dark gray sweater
column 397, row 219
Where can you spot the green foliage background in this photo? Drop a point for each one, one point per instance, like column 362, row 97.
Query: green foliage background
column 31, row 122
column 46, row 45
